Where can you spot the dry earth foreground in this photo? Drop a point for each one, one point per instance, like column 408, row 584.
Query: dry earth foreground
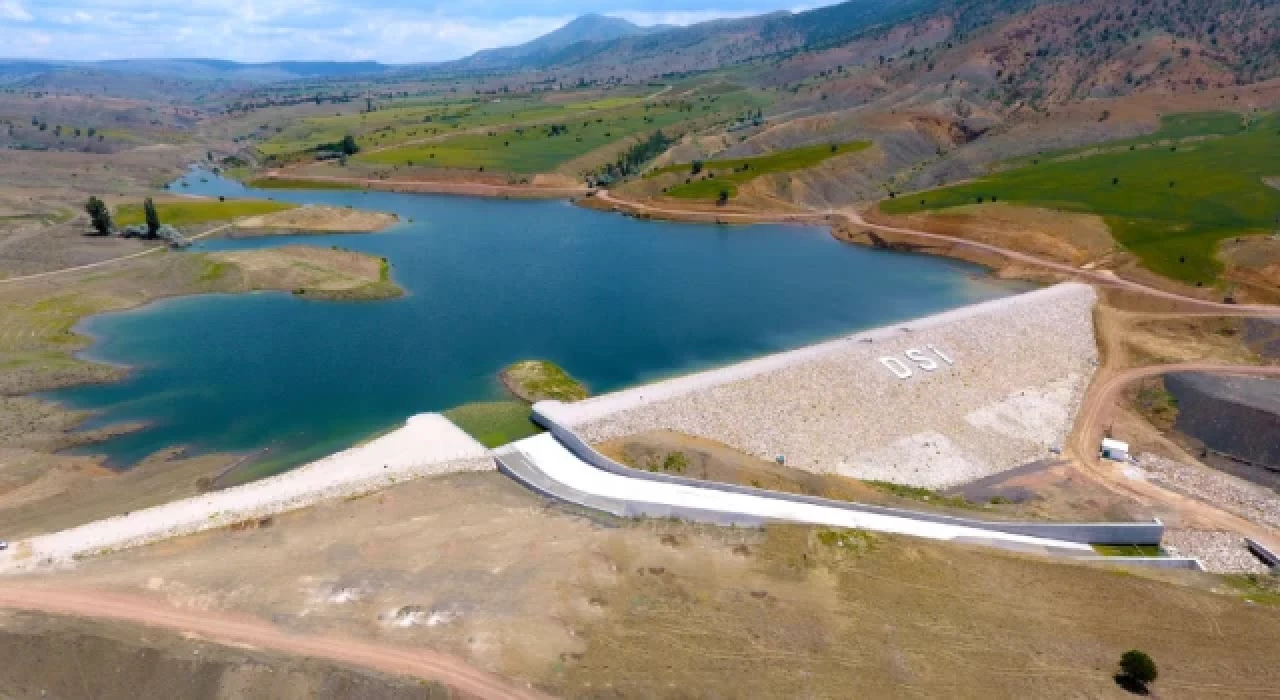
column 473, row 566
column 933, row 402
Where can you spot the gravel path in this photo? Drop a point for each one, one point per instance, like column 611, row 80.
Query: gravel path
column 1018, row 369
column 426, row 444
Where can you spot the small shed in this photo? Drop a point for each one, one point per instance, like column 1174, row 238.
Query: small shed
column 1114, row 449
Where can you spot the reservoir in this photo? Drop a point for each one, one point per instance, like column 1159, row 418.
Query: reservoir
column 614, row 300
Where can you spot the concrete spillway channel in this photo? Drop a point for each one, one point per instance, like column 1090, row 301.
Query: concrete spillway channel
column 559, row 465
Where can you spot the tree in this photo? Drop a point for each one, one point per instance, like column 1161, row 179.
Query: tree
column 99, row 216
column 696, row 167
column 153, row 218
column 349, row 145
column 723, row 199
column 1138, row 666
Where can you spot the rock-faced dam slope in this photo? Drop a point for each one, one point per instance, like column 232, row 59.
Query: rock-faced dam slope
column 933, row 402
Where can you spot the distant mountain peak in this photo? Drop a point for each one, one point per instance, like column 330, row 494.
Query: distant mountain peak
column 588, row 27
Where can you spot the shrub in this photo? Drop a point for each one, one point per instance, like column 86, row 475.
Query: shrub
column 1138, row 665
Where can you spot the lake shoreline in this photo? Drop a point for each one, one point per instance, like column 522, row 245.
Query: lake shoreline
column 124, row 370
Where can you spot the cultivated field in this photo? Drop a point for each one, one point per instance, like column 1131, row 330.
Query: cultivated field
column 1170, row 198
column 716, row 176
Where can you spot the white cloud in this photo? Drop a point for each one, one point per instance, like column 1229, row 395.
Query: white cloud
column 391, row 31
column 13, row 11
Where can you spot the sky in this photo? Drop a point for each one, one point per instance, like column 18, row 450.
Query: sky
column 391, row 31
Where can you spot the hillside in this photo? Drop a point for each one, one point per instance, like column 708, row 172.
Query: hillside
column 587, row 28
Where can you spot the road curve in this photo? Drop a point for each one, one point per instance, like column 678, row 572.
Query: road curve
column 233, row 629
column 1097, row 408
column 1100, row 277
column 111, row 261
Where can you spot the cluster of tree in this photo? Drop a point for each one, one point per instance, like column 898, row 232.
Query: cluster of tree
column 100, row 216
column 640, row 153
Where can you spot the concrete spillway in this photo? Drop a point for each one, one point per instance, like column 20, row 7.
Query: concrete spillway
column 546, row 465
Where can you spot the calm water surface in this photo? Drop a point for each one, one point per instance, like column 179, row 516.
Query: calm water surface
column 616, row 301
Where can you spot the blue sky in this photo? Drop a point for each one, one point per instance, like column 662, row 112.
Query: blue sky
column 393, row 31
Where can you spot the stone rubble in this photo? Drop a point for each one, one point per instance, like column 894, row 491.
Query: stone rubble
column 1219, row 552
column 1018, row 370
column 1248, row 500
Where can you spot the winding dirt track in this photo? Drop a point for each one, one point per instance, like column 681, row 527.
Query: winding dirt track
column 233, row 629
column 1096, row 276
column 1096, row 411
column 110, row 261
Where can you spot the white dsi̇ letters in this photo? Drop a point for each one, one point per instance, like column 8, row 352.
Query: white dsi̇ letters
column 896, row 366
column 902, row 370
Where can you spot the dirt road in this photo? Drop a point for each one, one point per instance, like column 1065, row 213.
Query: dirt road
column 1095, row 413
column 232, row 629
column 112, row 261
column 472, row 189
column 1102, row 277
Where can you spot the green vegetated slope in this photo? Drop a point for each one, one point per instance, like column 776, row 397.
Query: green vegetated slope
column 725, row 175
column 199, row 211
column 576, row 129
column 1170, row 199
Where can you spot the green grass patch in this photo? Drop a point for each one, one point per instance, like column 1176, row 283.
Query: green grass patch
column 536, row 380
column 1127, row 550
column 1264, row 590
column 1169, row 205
column 850, row 540
column 530, row 149
column 719, row 176
column 916, row 493
column 284, row 183
column 494, row 423
column 214, row 270
column 199, row 211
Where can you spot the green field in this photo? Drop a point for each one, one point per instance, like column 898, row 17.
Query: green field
column 1173, row 128
column 508, row 133
column 725, row 175
column 494, row 423
column 535, row 149
column 199, row 211
column 1169, row 204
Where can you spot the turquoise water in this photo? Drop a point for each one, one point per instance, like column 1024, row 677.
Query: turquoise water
column 616, row 301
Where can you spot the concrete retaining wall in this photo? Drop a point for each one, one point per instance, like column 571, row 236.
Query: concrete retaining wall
column 1260, row 550
column 1084, row 533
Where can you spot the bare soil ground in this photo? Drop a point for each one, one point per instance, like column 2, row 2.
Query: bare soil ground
column 1071, row 238
column 314, row 219
column 1253, row 262
column 473, row 566
column 52, row 656
column 324, row 273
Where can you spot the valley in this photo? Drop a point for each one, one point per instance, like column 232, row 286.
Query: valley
column 767, row 355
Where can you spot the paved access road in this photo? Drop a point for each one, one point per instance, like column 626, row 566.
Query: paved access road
column 233, row 629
